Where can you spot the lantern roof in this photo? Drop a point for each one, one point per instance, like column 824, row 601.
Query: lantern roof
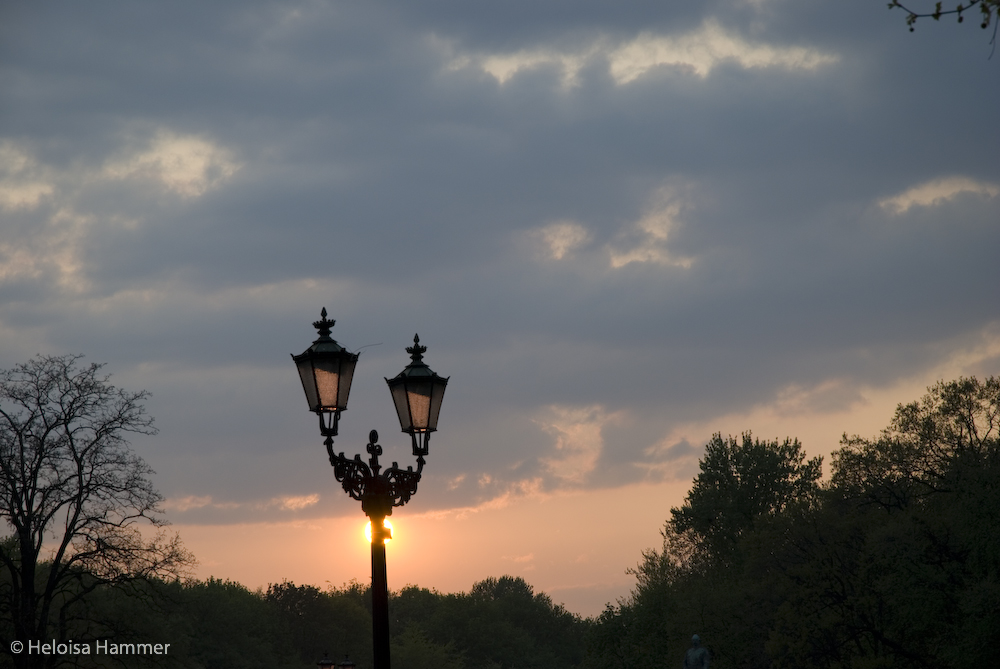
column 324, row 343
column 417, row 368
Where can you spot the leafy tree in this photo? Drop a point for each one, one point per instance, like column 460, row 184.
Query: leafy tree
column 502, row 623
column 550, row 635
column 74, row 495
column 931, row 446
column 316, row 622
column 892, row 563
column 896, row 564
column 609, row 644
column 150, row 611
column 233, row 627
column 414, row 650
column 924, row 497
column 739, row 483
column 712, row 575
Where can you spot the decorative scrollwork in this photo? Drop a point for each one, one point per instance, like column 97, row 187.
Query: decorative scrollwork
column 403, row 482
column 354, row 475
column 377, row 491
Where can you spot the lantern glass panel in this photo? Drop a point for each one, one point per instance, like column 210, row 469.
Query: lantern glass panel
column 419, row 396
column 402, row 407
column 308, row 382
column 327, row 382
column 436, row 398
column 346, row 376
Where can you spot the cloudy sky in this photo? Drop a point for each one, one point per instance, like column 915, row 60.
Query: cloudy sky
column 618, row 227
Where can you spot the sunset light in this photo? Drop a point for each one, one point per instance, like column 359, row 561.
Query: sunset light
column 368, row 531
column 678, row 265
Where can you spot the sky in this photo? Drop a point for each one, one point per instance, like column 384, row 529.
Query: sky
column 619, row 228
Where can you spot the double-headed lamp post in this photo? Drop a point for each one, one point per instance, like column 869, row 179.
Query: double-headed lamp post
column 326, row 369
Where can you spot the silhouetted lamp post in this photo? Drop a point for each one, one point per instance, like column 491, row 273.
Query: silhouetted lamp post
column 326, row 369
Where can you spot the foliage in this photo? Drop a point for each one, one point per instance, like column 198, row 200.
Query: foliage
column 74, row 495
column 216, row 624
column 317, row 622
column 740, row 483
column 894, row 562
column 501, row 622
column 412, row 649
column 930, row 447
column 705, row 578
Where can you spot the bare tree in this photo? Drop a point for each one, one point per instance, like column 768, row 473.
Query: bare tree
column 75, row 495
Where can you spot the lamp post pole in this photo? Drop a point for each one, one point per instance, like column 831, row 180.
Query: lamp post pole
column 326, row 370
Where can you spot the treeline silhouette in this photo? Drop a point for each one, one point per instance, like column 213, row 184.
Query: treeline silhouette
column 216, row 624
column 893, row 560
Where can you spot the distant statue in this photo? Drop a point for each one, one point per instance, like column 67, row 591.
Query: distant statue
column 696, row 656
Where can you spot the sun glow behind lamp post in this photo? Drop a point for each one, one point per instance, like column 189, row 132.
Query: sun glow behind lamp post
column 326, row 370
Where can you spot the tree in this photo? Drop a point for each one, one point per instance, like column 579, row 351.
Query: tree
column 714, row 573
column 75, row 495
column 501, row 622
column 892, row 563
column 898, row 567
column 315, row 622
column 414, row 650
column 931, row 446
column 741, row 481
column 234, row 627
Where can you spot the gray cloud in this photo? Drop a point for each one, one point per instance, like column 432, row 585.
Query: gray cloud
column 185, row 186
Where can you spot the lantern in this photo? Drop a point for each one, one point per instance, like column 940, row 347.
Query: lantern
column 326, row 369
column 417, row 393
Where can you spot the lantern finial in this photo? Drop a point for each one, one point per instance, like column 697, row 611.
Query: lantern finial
column 324, row 325
column 416, row 351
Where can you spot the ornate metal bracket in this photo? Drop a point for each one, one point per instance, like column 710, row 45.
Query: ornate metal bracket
column 378, row 491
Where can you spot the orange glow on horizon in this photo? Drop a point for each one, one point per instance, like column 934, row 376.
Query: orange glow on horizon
column 581, row 563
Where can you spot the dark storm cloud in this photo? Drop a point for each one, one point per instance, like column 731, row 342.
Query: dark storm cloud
column 187, row 185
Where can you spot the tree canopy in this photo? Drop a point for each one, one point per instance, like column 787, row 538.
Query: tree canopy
column 501, row 623
column 891, row 562
column 740, row 482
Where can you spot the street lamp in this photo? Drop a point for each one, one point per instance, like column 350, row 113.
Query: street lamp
column 326, row 370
